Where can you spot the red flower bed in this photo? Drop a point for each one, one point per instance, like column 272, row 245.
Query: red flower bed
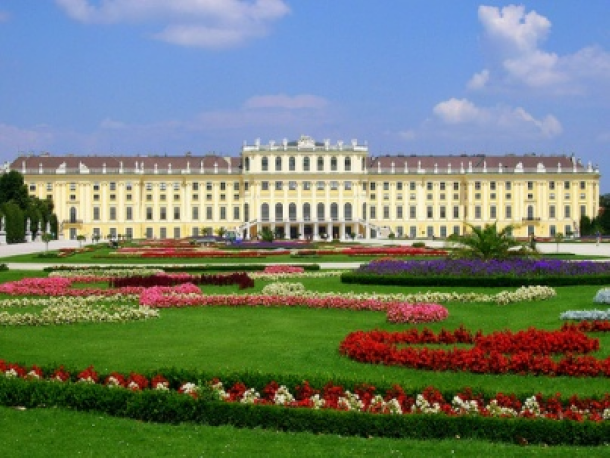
column 524, row 352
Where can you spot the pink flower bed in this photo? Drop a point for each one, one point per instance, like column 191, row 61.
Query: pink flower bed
column 416, row 313
column 279, row 269
column 57, row 286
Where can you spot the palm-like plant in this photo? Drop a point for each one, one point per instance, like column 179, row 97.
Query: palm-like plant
column 487, row 242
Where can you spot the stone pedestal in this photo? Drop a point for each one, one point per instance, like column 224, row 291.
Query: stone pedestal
column 2, row 238
column 28, row 236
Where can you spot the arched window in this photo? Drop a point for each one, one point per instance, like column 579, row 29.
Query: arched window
column 333, row 164
column 347, row 211
column 278, row 164
column 292, row 164
column 334, row 211
column 279, row 212
column 265, row 164
column 247, row 164
column 292, row 212
column 306, row 212
column 348, row 164
column 320, row 164
column 265, row 212
column 306, row 164
column 73, row 214
column 320, row 214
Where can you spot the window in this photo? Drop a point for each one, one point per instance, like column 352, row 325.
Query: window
column 492, row 185
column 72, row 196
column 552, row 230
column 176, row 186
column 399, row 186
column 386, row 186
column 112, row 214
column 530, row 185
column 176, row 213
column 508, row 212
column 265, row 185
column 429, row 212
column 223, row 213
column 508, row 196
column 129, row 233
column 566, row 185
column 163, row 213
column 306, row 212
column 530, row 196
column 162, row 186
column 493, row 212
column 412, row 186
column 149, row 233
column 333, row 164
column 195, row 196
column 334, row 211
column 373, row 186
column 442, row 186
column 320, row 212
column 223, row 197
column 412, row 212
column 278, row 185
column 552, row 185
column 32, row 187
column 163, row 197
column 176, row 196
column 50, row 187
column 320, row 185
column 443, row 212
column 386, row 212
column 399, row 212
column 429, row 186
column 477, row 185
column 456, row 212
column 508, row 185
column 149, row 187
column 208, row 213
column 265, row 164
column 307, row 185
column 292, row 164
column 456, row 186
column 149, row 213
column 334, row 185
column 176, row 232
column 373, row 212
column 127, row 196
column 128, row 213
column 195, row 213
column 348, row 164
column 236, row 213
column 306, row 164
column 208, row 197
column 583, row 211
column 583, row 185
column 279, row 212
column 552, row 211
column 195, row 186
column 236, row 186
column 72, row 186
column 278, row 164
column 347, row 185
column 477, row 212
column 96, row 213
column 208, row 186
column 567, row 212
column 320, row 167
column 223, row 186
column 112, row 196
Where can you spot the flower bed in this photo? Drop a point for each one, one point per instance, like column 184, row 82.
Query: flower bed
column 362, row 398
column 524, row 352
column 241, row 279
column 416, row 313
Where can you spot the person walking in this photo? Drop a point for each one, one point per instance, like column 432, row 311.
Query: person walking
column 598, row 238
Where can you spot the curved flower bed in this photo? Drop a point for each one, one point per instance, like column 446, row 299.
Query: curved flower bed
column 524, row 352
column 59, row 287
column 362, row 398
column 416, row 313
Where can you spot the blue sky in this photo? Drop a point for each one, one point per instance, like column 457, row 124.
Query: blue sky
column 412, row 77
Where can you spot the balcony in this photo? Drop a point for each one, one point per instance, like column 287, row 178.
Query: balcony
column 531, row 219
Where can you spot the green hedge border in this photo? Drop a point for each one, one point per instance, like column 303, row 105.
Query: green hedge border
column 438, row 280
column 183, row 268
column 172, row 407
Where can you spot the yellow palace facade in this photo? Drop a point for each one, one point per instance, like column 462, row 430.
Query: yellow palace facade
column 307, row 189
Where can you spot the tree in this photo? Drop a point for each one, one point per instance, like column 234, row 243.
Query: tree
column 486, row 243
column 13, row 189
column 46, row 238
column 15, row 223
column 221, row 231
column 558, row 239
column 96, row 237
column 81, row 238
column 267, row 234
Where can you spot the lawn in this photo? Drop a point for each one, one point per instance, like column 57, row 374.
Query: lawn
column 278, row 341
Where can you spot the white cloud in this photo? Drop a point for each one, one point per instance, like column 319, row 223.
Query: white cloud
column 479, row 80
column 516, row 38
column 14, row 139
column 200, row 23
column 465, row 114
column 454, row 111
column 286, row 102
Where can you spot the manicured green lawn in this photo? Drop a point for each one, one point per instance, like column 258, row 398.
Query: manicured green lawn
column 277, row 341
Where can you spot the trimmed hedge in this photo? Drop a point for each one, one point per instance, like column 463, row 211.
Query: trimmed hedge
column 156, row 406
column 172, row 407
column 440, row 280
column 184, row 268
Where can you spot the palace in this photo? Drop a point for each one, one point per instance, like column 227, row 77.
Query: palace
column 307, row 189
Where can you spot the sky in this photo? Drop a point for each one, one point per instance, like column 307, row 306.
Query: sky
column 127, row 77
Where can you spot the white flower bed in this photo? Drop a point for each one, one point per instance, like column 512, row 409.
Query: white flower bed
column 70, row 310
column 525, row 293
column 602, row 296
column 586, row 315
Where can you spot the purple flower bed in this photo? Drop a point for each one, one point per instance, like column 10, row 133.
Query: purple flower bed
column 286, row 245
column 478, row 268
